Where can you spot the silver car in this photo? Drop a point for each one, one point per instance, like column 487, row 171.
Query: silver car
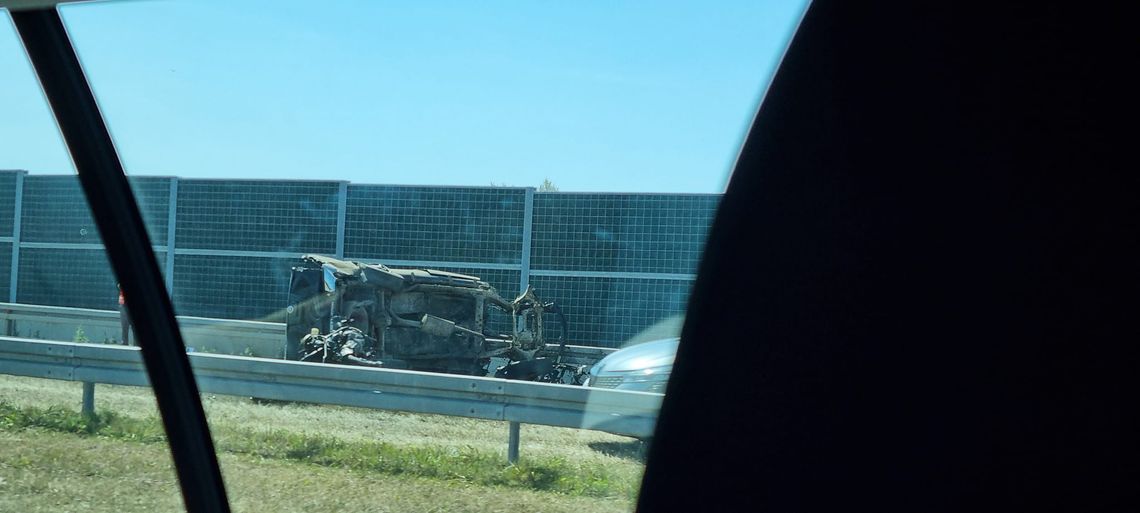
column 644, row 367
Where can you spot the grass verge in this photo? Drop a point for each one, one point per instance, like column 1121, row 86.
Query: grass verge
column 464, row 465
column 43, row 471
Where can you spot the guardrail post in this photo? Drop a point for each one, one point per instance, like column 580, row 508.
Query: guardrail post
column 88, row 399
column 513, row 444
column 527, row 237
column 341, row 217
column 171, row 229
column 17, row 221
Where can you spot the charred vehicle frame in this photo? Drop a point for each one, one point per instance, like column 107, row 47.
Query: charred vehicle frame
column 420, row 319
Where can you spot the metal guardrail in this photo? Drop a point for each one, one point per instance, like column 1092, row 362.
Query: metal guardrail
column 224, row 336
column 612, row 411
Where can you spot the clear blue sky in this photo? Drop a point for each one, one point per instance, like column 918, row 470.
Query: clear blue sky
column 649, row 96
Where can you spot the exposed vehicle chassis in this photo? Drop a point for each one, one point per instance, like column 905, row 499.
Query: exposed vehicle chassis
column 420, row 319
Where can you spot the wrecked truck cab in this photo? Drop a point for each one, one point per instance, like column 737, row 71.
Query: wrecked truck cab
column 420, row 319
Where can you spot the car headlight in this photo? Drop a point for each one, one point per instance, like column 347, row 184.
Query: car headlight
column 650, row 374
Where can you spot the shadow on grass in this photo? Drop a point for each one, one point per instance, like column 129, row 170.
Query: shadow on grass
column 633, row 450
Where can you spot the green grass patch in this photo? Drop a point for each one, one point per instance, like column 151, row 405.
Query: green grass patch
column 56, row 418
column 467, row 465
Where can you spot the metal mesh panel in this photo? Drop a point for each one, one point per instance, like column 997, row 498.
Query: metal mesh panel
column 615, row 233
column 609, row 311
column 153, row 196
column 7, row 200
column 5, row 270
column 456, row 224
column 55, row 209
column 654, row 233
column 257, row 216
column 80, row 278
column 232, row 287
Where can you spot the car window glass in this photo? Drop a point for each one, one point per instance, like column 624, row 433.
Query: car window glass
column 508, row 200
column 64, row 444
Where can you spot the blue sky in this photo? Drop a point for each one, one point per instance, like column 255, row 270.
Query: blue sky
column 594, row 95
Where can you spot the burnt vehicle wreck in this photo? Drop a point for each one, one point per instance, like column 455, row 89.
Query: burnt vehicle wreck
column 420, row 319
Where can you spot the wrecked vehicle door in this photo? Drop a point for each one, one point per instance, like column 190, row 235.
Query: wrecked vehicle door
column 419, row 319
